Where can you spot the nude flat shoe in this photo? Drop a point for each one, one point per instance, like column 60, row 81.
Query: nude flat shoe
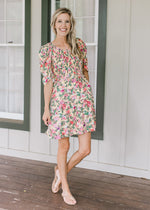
column 70, row 200
column 56, row 184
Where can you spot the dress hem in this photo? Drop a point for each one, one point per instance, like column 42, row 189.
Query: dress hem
column 50, row 138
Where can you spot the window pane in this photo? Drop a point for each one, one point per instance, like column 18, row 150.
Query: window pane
column 2, row 31
column 12, row 60
column 14, row 9
column 85, row 29
column 14, row 32
column 66, row 3
column 16, row 78
column 1, row 9
column 88, row 5
column 91, row 54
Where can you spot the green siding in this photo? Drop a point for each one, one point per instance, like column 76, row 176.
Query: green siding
column 45, row 37
column 100, row 93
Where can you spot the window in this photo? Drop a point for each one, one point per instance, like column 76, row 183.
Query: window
column 14, row 64
column 90, row 16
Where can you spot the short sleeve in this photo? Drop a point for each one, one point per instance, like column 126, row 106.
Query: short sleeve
column 46, row 63
column 83, row 48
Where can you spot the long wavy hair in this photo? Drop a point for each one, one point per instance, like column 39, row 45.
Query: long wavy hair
column 71, row 36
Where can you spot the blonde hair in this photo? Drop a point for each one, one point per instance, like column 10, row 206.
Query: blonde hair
column 71, row 36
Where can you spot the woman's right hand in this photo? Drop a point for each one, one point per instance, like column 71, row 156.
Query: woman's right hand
column 46, row 117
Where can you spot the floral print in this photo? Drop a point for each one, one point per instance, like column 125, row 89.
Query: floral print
column 72, row 108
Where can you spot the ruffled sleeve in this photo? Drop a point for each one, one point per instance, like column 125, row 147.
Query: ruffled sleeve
column 46, row 70
column 83, row 49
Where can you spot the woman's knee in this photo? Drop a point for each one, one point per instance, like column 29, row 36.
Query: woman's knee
column 64, row 144
column 84, row 144
column 84, row 152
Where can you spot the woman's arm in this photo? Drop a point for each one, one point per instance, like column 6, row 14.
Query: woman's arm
column 47, row 94
column 85, row 73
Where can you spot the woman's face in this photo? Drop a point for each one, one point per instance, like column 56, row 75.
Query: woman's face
column 63, row 24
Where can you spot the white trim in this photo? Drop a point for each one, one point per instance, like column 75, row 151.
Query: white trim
column 13, row 116
column 23, row 25
column 96, row 58
column 10, row 20
column 8, row 52
column 74, row 6
column 5, row 35
column 92, row 44
column 52, row 11
column 85, row 17
column 11, row 45
column 126, row 42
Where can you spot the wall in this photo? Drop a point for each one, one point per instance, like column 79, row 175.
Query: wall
column 125, row 148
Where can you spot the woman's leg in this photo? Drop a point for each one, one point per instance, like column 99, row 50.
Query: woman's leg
column 83, row 151
column 63, row 147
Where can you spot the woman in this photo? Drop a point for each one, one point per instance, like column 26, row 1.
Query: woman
column 63, row 64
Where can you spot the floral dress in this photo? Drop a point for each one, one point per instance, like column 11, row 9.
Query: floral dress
column 72, row 108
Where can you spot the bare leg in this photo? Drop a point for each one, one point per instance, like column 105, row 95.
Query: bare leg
column 83, row 151
column 63, row 147
column 64, row 167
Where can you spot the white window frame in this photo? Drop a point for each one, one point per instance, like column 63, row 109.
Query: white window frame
column 9, row 115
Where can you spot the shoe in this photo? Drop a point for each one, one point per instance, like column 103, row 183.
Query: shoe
column 56, row 184
column 70, row 200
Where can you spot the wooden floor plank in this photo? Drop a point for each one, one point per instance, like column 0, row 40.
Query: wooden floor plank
column 26, row 184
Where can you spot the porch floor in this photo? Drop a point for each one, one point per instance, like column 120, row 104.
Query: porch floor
column 26, row 185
